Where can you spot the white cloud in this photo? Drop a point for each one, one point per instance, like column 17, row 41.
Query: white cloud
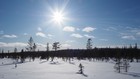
column 69, row 29
column 76, row 35
column 40, row 34
column 89, row 36
column 129, row 37
column 65, row 46
column 9, row 36
column 39, row 29
column 15, row 44
column 88, row 29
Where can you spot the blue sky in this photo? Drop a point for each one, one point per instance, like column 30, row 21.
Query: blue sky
column 108, row 22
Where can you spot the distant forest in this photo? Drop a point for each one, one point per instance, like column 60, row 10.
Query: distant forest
column 130, row 53
column 98, row 53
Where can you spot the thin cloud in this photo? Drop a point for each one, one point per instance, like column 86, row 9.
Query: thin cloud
column 110, row 29
column 78, row 29
column 50, row 36
column 42, row 47
column 14, row 44
column 112, row 46
column 26, row 34
column 69, row 29
column 138, row 33
column 65, row 46
column 89, row 36
column 88, row 29
column 130, row 37
column 40, row 34
column 9, row 36
column 76, row 35
column 123, row 34
column 133, row 30
column 70, row 41
column 1, row 32
column 104, row 39
column 39, row 29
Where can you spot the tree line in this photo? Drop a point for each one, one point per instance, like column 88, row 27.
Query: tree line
column 98, row 53
column 130, row 53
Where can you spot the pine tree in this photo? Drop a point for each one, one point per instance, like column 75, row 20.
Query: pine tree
column 31, row 45
column 22, row 50
column 15, row 50
column 89, row 45
column 34, row 47
column 136, row 47
column 81, row 68
column 56, row 45
column 130, row 47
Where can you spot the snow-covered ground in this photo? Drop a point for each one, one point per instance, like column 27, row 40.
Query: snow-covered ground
column 42, row 69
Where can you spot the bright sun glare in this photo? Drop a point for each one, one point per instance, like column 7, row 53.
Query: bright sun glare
column 58, row 17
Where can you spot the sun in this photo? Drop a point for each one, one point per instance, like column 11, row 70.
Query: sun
column 58, row 17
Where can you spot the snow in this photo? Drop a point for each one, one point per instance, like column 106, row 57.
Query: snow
column 43, row 69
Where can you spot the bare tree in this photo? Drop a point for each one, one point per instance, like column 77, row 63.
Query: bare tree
column 47, row 47
column 89, row 45
column 126, row 65
column 118, row 65
column 121, row 65
column 56, row 46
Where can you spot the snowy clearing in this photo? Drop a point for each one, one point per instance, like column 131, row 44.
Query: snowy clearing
column 42, row 69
